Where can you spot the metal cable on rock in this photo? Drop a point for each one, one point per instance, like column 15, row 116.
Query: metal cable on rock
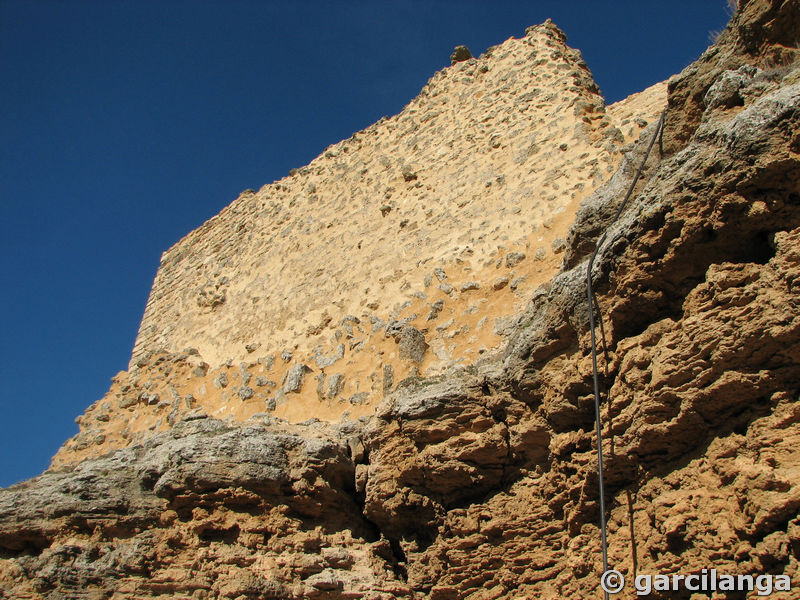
column 591, row 298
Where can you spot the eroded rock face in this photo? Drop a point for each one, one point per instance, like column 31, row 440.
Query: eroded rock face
column 489, row 161
column 196, row 510
column 761, row 33
column 480, row 483
column 470, row 223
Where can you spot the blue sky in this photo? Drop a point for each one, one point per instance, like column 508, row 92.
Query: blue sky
column 124, row 125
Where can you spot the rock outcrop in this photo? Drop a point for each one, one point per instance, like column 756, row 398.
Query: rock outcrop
column 441, row 220
column 480, row 482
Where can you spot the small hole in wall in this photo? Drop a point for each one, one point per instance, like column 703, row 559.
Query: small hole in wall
column 226, row 536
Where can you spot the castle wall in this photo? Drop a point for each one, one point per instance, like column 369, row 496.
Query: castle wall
column 475, row 167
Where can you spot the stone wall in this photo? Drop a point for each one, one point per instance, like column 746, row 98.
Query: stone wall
column 479, row 165
column 402, row 252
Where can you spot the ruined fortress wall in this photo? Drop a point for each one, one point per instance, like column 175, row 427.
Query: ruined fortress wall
column 487, row 154
column 402, row 252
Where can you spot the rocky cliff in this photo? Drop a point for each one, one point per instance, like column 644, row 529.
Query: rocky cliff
column 401, row 252
column 472, row 478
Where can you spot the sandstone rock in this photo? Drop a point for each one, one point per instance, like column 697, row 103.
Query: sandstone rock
column 359, row 398
column 758, row 28
column 460, row 54
column 127, row 402
column 395, row 328
column 195, row 414
column 338, row 558
column 221, row 380
column 294, row 377
column 326, row 581
column 500, row 283
column 724, row 92
column 350, row 325
column 388, row 379
column 516, row 282
column 408, row 175
column 412, row 345
column 254, row 466
column 244, row 374
column 200, row 369
column 262, row 381
column 445, row 325
column 481, row 481
column 326, row 361
column 335, row 385
column 514, row 258
column 436, row 308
